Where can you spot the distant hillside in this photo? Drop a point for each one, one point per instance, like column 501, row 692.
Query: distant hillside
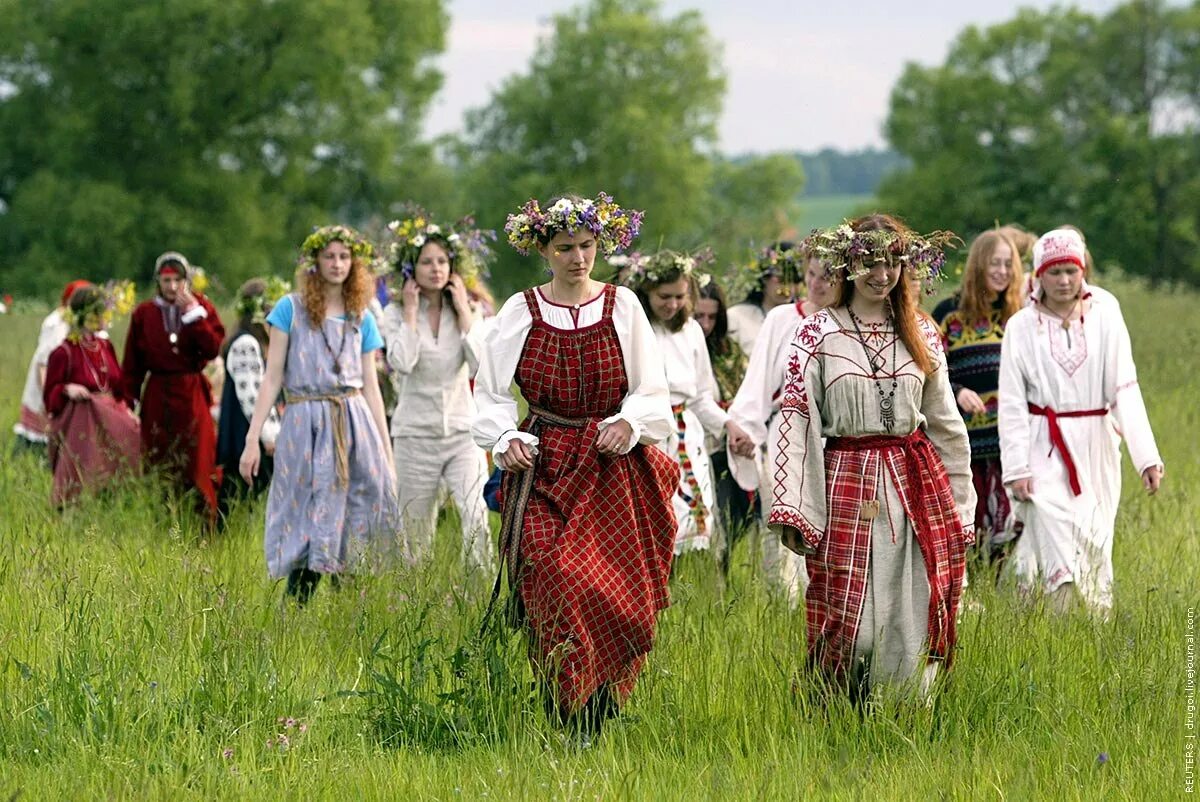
column 834, row 172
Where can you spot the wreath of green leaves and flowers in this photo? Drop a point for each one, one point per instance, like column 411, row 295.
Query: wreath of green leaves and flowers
column 843, row 249
column 785, row 260
column 360, row 247
column 666, row 266
column 257, row 306
column 614, row 227
column 116, row 299
column 466, row 244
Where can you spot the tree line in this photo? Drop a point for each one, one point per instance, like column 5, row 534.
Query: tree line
column 228, row 128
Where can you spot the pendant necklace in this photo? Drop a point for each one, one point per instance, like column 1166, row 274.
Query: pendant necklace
column 337, row 357
column 101, row 383
column 887, row 402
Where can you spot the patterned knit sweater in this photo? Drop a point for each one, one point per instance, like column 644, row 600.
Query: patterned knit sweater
column 973, row 353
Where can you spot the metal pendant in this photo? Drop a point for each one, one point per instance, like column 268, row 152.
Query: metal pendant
column 337, row 367
column 887, row 413
column 868, row 510
column 174, row 338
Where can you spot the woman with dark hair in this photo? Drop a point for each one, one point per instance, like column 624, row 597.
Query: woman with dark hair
column 734, row 506
column 433, row 346
column 873, row 479
column 755, row 408
column 774, row 284
column 666, row 284
column 972, row 327
column 94, row 437
column 588, row 525
column 244, row 369
column 332, row 506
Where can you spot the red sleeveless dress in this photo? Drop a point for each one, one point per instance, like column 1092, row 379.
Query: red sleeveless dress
column 593, row 551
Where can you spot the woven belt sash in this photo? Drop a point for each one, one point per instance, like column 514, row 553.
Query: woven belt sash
column 1056, row 437
column 514, row 508
column 337, row 412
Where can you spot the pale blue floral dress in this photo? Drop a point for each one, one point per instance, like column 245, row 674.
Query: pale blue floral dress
column 323, row 516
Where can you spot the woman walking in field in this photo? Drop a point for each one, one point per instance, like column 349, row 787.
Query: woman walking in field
column 972, row 326
column 332, row 506
column 244, row 368
column 588, row 523
column 755, row 408
column 883, row 507
column 94, row 437
column 433, row 346
column 666, row 285
column 735, row 508
column 1068, row 394
column 774, row 284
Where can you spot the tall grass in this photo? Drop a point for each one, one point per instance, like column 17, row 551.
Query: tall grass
column 144, row 660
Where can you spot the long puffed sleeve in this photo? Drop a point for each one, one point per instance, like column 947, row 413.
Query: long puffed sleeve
column 704, row 403
column 798, row 497
column 1128, row 406
column 54, row 391
column 1013, row 420
column 647, row 408
column 946, row 429
column 495, row 423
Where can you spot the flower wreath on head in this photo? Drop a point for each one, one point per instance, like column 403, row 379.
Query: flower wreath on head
column 656, row 268
column 116, row 299
column 843, row 249
column 614, row 227
column 465, row 244
column 255, row 306
column 783, row 259
column 360, row 247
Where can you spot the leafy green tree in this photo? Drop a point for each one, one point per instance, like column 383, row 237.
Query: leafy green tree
column 222, row 128
column 623, row 99
column 1062, row 116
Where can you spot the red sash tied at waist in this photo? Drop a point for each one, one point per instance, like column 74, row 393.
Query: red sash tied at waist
column 1056, row 437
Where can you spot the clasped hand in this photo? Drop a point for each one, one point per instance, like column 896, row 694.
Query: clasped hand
column 612, row 441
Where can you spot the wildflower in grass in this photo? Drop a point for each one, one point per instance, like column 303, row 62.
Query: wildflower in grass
column 227, row 753
column 1102, row 758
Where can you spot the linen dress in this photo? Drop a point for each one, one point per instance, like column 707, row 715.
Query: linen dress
column 324, row 513
column 588, row 537
column 1088, row 368
column 93, row 443
column 756, row 409
column 885, row 580
column 697, row 413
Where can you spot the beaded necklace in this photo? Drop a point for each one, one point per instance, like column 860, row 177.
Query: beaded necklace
column 887, row 402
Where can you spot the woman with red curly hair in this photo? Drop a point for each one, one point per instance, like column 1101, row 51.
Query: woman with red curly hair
column 873, row 479
column 332, row 506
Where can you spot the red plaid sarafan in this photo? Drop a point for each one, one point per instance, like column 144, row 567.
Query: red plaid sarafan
column 595, row 546
column 838, row 570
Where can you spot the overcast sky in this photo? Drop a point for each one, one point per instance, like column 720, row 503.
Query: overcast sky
column 824, row 69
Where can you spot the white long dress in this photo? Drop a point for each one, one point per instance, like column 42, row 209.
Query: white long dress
column 1068, row 537
column 431, row 430
column 756, row 409
column 690, row 380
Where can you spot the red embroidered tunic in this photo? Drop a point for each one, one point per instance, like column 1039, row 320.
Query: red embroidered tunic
column 177, row 429
column 595, row 544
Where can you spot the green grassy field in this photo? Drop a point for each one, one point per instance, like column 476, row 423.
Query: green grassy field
column 141, row 661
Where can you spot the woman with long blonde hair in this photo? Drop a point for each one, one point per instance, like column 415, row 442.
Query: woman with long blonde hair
column 332, row 506
column 972, row 326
